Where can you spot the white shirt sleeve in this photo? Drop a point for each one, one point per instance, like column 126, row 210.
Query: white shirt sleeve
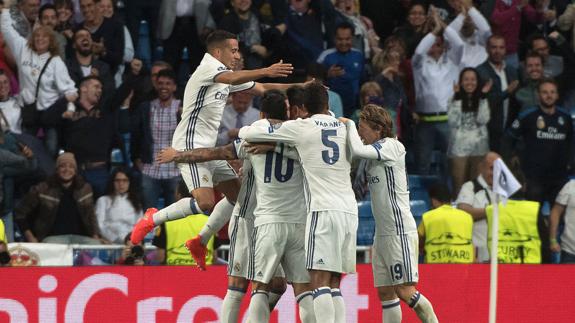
column 64, row 83
column 483, row 28
column 565, row 193
column 128, row 46
column 466, row 194
column 287, row 132
column 381, row 151
column 239, row 146
column 15, row 42
column 421, row 51
column 101, row 208
column 456, row 45
column 242, row 87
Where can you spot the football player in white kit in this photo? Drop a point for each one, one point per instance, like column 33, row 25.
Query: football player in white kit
column 272, row 194
column 330, row 241
column 396, row 241
column 204, row 100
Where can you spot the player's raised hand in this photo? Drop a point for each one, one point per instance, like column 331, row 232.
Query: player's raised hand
column 167, row 155
column 279, row 69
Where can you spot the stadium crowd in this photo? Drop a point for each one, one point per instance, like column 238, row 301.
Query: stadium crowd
column 466, row 82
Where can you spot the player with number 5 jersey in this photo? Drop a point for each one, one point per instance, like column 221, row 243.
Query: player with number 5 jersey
column 330, row 241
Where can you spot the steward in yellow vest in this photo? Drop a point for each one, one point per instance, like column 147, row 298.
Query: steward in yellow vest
column 446, row 232
column 519, row 240
column 172, row 235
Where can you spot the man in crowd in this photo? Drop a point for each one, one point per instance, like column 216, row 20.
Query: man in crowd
column 240, row 113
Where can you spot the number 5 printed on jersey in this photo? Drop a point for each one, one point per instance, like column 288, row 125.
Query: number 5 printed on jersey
column 325, row 154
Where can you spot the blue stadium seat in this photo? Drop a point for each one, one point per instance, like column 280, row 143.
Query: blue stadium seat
column 418, row 207
column 366, row 225
column 143, row 50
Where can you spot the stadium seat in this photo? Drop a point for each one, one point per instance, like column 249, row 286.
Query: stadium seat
column 418, row 207
column 366, row 225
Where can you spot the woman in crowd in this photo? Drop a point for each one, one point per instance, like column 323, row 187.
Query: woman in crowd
column 120, row 208
column 415, row 28
column 468, row 115
column 38, row 53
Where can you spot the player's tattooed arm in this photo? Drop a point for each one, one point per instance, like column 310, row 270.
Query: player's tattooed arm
column 197, row 155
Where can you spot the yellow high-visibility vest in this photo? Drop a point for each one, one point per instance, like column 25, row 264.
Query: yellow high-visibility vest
column 178, row 232
column 448, row 236
column 519, row 240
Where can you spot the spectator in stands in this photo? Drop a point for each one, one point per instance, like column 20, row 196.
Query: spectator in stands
column 435, row 70
column 132, row 255
column 564, row 206
column 415, row 29
column 546, row 132
column 236, row 115
column 23, row 14
column 83, row 62
column 364, row 39
column 506, row 21
column 49, row 18
column 120, row 208
column 8, row 65
column 153, row 126
column 527, row 96
column 89, row 131
column 305, row 38
column 61, row 209
column 184, row 24
column 552, row 64
column 65, row 10
column 474, row 197
column 501, row 104
column 566, row 22
column 546, row 152
column 10, row 107
column 319, row 73
column 474, row 31
column 242, row 21
column 171, row 236
column 139, row 10
column 387, row 66
column 107, row 34
column 345, row 67
column 445, row 233
column 468, row 115
column 106, row 8
column 39, row 52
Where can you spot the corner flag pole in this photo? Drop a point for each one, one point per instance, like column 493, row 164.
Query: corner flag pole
column 494, row 262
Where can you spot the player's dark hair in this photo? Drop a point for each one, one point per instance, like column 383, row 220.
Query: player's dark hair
column 273, row 105
column 218, row 37
column 315, row 98
column 439, row 192
column 295, row 95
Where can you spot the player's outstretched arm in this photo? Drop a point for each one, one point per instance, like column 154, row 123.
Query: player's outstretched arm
column 197, row 155
column 260, row 88
column 356, row 146
column 287, row 132
column 280, row 69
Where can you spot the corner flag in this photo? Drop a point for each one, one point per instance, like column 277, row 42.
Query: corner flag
column 504, row 183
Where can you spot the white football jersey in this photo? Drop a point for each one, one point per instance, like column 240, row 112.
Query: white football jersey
column 203, row 105
column 387, row 180
column 321, row 142
column 279, row 183
column 246, row 201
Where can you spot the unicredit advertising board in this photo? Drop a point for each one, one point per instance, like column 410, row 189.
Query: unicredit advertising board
column 459, row 293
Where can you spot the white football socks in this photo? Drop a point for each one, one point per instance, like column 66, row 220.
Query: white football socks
column 231, row 305
column 259, row 310
column 422, row 308
column 338, row 305
column 323, row 305
column 218, row 218
column 391, row 311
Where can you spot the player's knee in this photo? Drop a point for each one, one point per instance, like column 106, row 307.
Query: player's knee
column 278, row 285
column 206, row 205
column 405, row 291
column 386, row 293
column 238, row 283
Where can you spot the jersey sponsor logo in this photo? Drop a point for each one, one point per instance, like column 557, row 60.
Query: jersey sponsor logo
column 551, row 134
column 221, row 96
column 540, row 122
